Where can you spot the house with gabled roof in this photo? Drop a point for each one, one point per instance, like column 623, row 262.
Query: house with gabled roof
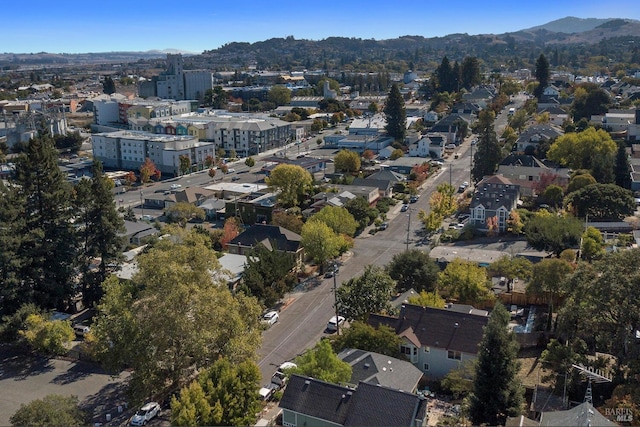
column 494, row 196
column 527, row 171
column 435, row 340
column 311, row 402
column 534, row 135
column 376, row 368
column 272, row 237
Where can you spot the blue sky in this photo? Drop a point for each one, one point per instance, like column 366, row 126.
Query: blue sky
column 195, row 25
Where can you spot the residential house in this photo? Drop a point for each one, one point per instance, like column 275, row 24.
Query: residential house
column 450, row 127
column 430, row 145
column 619, row 120
column 311, row 402
column 253, row 208
column 480, row 95
column 272, row 237
column 582, row 415
column 231, row 269
column 535, row 135
column 551, row 91
column 324, row 198
column 195, row 196
column 310, row 164
column 435, row 340
column 135, row 233
column 557, row 116
column 359, row 142
column 214, row 209
column 376, row 368
column 527, row 171
column 384, row 179
column 494, row 196
column 403, row 165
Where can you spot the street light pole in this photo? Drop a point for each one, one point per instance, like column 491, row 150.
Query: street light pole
column 335, row 296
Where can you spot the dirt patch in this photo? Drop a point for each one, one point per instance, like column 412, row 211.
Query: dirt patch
column 531, row 371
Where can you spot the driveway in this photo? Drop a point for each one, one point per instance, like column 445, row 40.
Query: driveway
column 25, row 378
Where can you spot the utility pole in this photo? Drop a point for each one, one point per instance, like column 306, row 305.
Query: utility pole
column 142, row 202
column 408, row 228
column 335, row 295
column 471, row 164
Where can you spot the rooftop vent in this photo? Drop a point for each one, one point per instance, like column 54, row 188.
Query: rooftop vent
column 367, row 366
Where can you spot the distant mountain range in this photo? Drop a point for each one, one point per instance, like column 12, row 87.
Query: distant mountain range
column 289, row 52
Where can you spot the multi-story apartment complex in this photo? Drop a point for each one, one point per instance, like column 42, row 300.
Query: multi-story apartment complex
column 129, row 149
column 178, row 83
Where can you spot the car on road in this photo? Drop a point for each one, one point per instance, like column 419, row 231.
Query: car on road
column 231, row 170
column 147, row 218
column 383, row 226
column 404, row 208
column 145, row 414
column 330, row 273
column 235, row 178
column 175, row 186
column 270, row 318
column 456, row 226
column 414, row 199
column 332, row 324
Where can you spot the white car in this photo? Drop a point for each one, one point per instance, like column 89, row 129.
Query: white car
column 332, row 325
column 175, row 186
column 145, row 414
column 81, row 330
column 270, row 318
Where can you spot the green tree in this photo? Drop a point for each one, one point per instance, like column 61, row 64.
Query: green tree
column 547, row 281
column 279, row 95
column 427, row 299
column 337, row 218
column 431, row 221
column 250, row 162
column 290, row 221
column 108, row 85
column 10, row 241
column 558, row 360
column 267, row 274
column 396, row 154
column 592, row 246
column 551, row 233
column 488, row 154
column 49, row 337
column 553, row 195
column 396, row 114
column 175, row 272
column 320, row 242
column 365, row 294
column 601, row 201
column 183, row 212
column 291, row 181
column 459, row 381
column 580, row 150
column 382, row 339
column 519, row 120
column 413, row 269
column 185, row 164
column 466, row 282
column 323, row 364
column 99, row 235
column 226, row 394
column 497, row 390
column 447, row 79
column 443, row 201
column 470, row 72
column 359, row 208
column 47, row 251
column 51, row 410
column 216, row 98
column 579, row 181
column 347, row 161
column 542, row 74
column 622, row 167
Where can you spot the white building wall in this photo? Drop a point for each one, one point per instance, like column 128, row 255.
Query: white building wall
column 106, row 111
column 196, row 83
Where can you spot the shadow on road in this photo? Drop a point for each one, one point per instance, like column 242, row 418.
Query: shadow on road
column 115, row 395
column 20, row 366
column 75, row 373
column 309, row 284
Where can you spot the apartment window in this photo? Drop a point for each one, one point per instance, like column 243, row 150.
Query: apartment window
column 405, row 350
column 425, row 367
column 426, row 349
column 454, row 355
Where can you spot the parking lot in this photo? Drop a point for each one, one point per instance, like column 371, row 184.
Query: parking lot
column 26, row 378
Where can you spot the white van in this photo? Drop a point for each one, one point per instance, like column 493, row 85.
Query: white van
column 81, row 330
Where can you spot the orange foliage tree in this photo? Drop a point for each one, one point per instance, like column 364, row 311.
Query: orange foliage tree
column 229, row 232
column 147, row 170
column 492, row 225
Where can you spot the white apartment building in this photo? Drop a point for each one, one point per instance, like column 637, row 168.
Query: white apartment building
column 127, row 150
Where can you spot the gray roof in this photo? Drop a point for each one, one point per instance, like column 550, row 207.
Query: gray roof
column 376, row 368
column 434, row 327
column 317, row 399
column 284, row 240
column 386, row 175
column 582, row 415
column 375, row 405
column 522, row 160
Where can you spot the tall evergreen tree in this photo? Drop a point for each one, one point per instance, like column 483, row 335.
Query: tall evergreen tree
column 470, row 72
column 543, row 74
column 47, row 248
column 497, row 391
column 108, row 85
column 444, row 76
column 11, row 220
column 98, row 235
column 488, row 155
column 396, row 114
column 623, row 168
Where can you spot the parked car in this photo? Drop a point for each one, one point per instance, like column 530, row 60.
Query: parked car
column 404, row 208
column 81, row 330
column 330, row 273
column 414, row 199
column 145, row 414
column 270, row 318
column 456, row 226
column 235, row 178
column 333, row 324
column 383, row 226
column 175, row 186
column 231, row 170
column 279, row 378
column 266, row 392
